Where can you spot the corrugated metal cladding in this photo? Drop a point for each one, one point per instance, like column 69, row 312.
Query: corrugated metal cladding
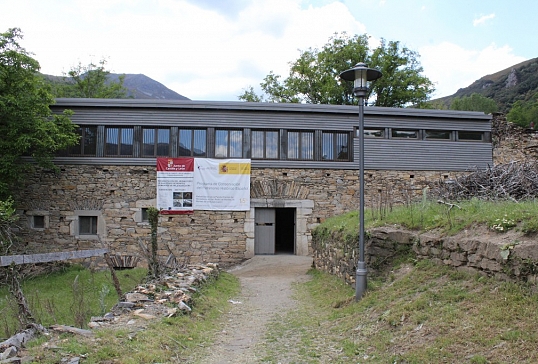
column 383, row 154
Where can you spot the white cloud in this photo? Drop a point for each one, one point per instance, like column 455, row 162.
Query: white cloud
column 483, row 19
column 194, row 49
column 452, row 67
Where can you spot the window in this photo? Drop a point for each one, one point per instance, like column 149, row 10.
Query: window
column 119, row 142
column 38, row 222
column 373, row 133
column 87, row 145
column 228, row 143
column 438, row 134
column 264, row 144
column 470, row 135
column 155, row 142
column 404, row 134
column 145, row 217
column 301, row 145
column 192, row 143
column 87, row 225
column 335, row 146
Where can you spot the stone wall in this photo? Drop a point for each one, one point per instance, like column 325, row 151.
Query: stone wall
column 506, row 256
column 118, row 193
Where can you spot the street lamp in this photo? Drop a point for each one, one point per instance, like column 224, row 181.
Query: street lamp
column 361, row 75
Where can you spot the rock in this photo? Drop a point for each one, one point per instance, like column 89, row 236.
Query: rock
column 93, row 325
column 183, row 306
column 125, row 304
column 10, row 352
column 136, row 297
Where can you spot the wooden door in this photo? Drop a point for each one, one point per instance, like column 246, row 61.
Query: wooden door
column 264, row 232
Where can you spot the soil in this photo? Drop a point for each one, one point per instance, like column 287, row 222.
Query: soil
column 266, row 295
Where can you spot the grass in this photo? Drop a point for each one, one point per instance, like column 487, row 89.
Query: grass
column 169, row 340
column 450, row 219
column 69, row 296
column 425, row 314
column 417, row 312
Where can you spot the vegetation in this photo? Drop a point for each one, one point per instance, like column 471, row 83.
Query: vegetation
column 169, row 340
column 447, row 218
column 28, row 127
column 475, row 102
column 89, row 81
column 506, row 87
column 525, row 112
column 314, row 77
column 69, row 296
column 418, row 313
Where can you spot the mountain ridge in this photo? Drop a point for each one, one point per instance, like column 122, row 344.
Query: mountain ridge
column 517, row 82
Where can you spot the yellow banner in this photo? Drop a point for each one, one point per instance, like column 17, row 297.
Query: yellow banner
column 234, row 168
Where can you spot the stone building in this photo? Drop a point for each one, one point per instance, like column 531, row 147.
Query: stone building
column 304, row 162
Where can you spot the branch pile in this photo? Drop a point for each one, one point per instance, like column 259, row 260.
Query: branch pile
column 514, row 181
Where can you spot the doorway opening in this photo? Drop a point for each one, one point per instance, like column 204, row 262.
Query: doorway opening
column 275, row 231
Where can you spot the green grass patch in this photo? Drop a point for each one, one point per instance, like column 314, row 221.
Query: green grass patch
column 500, row 216
column 170, row 340
column 426, row 314
column 68, row 297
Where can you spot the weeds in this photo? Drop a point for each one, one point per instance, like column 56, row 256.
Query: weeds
column 52, row 296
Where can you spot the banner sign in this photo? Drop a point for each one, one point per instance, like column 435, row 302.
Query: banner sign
column 175, row 185
column 188, row 184
column 222, row 184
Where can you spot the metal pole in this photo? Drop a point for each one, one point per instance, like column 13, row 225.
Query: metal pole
column 360, row 278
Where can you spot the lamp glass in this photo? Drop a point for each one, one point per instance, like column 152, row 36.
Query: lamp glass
column 361, row 78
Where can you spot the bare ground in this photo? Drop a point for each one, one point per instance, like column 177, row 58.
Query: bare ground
column 266, row 295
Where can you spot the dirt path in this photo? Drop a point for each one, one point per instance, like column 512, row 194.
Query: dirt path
column 266, row 294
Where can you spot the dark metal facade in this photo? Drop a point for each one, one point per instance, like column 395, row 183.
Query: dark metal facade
column 380, row 153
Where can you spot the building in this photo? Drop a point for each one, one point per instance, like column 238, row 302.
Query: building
column 304, row 169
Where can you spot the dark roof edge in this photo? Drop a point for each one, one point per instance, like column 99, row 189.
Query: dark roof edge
column 265, row 106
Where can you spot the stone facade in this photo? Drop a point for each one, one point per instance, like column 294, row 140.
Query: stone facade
column 117, row 195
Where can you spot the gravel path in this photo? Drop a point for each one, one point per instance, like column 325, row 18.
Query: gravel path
column 266, row 295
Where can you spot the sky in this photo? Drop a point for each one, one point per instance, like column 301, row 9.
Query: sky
column 215, row 49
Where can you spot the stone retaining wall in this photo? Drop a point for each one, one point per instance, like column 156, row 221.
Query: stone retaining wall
column 506, row 256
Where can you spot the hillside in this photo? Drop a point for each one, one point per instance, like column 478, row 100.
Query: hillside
column 142, row 87
column 139, row 86
column 517, row 82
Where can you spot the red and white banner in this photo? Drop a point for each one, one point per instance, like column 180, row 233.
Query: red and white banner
column 175, row 185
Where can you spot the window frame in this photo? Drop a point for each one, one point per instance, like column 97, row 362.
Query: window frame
column 155, row 143
column 119, row 141
column 300, row 145
column 403, row 130
column 192, row 140
column 230, row 143
column 265, row 146
column 335, row 152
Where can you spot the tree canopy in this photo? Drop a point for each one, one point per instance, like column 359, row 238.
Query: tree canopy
column 90, row 81
column 525, row 112
column 27, row 125
column 475, row 102
column 314, row 76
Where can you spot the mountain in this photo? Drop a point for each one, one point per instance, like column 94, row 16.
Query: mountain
column 139, row 86
column 517, row 82
column 142, row 87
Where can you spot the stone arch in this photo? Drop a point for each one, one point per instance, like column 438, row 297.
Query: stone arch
column 278, row 189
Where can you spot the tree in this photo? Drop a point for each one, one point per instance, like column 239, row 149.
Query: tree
column 27, row 125
column 91, row 81
column 475, row 102
column 525, row 112
column 314, row 76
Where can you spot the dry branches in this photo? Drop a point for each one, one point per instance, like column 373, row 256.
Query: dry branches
column 513, row 181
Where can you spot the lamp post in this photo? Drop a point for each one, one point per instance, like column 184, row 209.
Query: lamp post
column 361, row 75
